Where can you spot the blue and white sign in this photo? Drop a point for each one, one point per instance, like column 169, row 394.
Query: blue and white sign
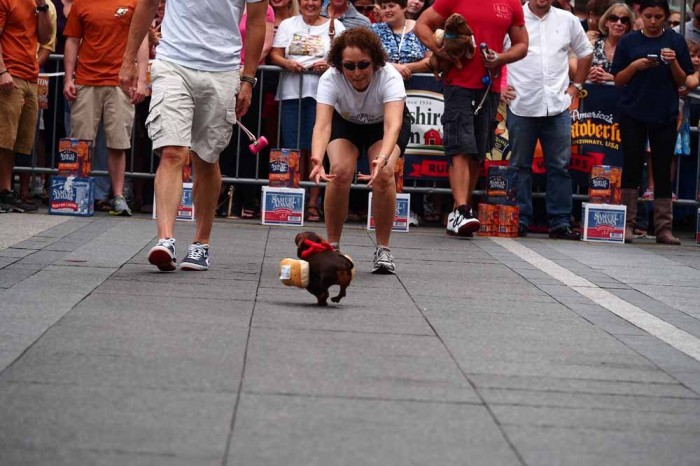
column 401, row 216
column 282, row 206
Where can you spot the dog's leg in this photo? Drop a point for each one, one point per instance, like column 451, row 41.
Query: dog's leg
column 341, row 294
column 323, row 298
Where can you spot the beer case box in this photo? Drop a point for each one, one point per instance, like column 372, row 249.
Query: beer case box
column 604, row 222
column 488, row 219
column 282, row 206
column 185, row 210
column 75, row 157
column 697, row 230
column 285, row 168
column 605, row 184
column 501, row 187
column 70, row 195
column 401, row 215
column 498, row 220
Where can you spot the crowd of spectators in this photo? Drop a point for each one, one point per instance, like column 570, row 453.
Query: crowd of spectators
column 92, row 40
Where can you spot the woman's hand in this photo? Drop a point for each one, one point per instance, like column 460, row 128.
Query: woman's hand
column 318, row 173
column 379, row 164
column 403, row 70
column 294, row 66
column 642, row 64
column 508, row 95
column 668, row 55
column 598, row 75
column 319, row 66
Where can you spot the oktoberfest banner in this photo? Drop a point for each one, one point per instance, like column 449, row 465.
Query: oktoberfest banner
column 595, row 133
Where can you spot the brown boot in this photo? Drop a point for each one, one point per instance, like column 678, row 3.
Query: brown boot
column 663, row 222
column 629, row 199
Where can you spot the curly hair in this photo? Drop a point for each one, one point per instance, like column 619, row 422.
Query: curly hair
column 361, row 38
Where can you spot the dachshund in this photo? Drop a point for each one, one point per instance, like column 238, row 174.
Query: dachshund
column 457, row 41
column 327, row 266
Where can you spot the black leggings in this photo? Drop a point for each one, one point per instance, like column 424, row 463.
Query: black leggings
column 662, row 141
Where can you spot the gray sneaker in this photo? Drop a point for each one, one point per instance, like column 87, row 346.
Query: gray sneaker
column 383, row 261
column 120, row 207
column 162, row 255
column 197, row 257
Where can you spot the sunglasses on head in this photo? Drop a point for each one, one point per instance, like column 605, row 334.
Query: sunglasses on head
column 622, row 19
column 362, row 65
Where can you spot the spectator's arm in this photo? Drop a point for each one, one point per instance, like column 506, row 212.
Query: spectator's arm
column 70, row 56
column 269, row 35
column 140, row 24
column 519, row 40
column 43, row 56
column 6, row 81
column 426, row 25
column 421, row 66
column 692, row 81
column 44, row 26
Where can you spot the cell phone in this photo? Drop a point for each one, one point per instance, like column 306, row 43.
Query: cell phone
column 652, row 56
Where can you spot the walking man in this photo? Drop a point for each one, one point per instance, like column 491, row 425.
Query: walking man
column 198, row 92
column 540, row 110
column 472, row 92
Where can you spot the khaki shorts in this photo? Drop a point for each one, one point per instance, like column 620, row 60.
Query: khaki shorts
column 192, row 108
column 18, row 113
column 112, row 106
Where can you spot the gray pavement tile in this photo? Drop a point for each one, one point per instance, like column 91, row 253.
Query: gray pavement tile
column 75, row 457
column 7, row 357
column 689, row 379
column 140, row 421
column 10, row 277
column 683, row 298
column 170, row 289
column 274, row 430
column 145, row 272
column 5, row 261
column 541, row 398
column 353, row 365
column 338, row 318
column 64, row 229
column 600, row 419
column 16, row 252
column 136, row 362
column 37, row 242
column 503, row 302
column 661, row 354
column 554, row 446
column 38, row 260
column 577, row 385
column 605, row 320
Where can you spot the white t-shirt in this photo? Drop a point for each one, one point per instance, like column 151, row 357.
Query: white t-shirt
column 202, row 35
column 305, row 45
column 365, row 107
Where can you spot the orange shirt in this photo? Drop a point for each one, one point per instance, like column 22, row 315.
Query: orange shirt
column 19, row 41
column 103, row 27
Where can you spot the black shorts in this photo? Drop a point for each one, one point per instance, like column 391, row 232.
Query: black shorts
column 363, row 136
column 464, row 132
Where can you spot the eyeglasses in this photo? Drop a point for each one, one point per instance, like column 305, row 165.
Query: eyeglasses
column 674, row 23
column 362, row 65
column 622, row 19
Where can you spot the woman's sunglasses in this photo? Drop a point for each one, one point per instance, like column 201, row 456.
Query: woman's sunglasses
column 622, row 19
column 362, row 65
column 674, row 23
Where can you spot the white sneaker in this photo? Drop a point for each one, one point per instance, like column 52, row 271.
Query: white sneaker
column 461, row 222
column 383, row 262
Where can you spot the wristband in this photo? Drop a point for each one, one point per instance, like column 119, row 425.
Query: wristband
column 386, row 160
column 250, row 80
column 577, row 86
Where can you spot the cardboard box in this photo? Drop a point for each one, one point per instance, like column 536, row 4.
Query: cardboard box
column 501, row 187
column 604, row 222
column 185, row 210
column 401, row 215
column 282, row 206
column 605, row 184
column 285, row 168
column 70, row 195
column 697, row 229
column 498, row 220
column 75, row 157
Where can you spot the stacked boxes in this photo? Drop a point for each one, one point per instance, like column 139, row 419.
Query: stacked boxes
column 282, row 206
column 284, row 168
column 605, row 185
column 499, row 216
column 73, row 190
column 498, row 220
column 602, row 217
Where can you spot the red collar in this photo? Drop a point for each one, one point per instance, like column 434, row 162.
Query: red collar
column 313, row 247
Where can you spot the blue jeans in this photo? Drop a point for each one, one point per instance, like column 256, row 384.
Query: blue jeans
column 554, row 133
column 295, row 136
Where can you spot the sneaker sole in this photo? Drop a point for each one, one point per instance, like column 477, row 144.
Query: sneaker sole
column 161, row 258
column 123, row 213
column 382, row 270
column 466, row 231
column 188, row 266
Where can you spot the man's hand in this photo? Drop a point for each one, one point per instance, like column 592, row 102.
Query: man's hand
column 70, row 90
column 7, row 84
column 139, row 93
column 243, row 99
column 128, row 78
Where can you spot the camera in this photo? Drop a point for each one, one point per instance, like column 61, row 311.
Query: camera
column 652, row 56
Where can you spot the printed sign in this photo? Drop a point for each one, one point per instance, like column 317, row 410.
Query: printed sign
column 185, row 210
column 401, row 216
column 282, row 206
column 604, row 222
column 72, row 196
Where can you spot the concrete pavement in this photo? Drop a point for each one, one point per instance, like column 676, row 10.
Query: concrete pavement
column 478, row 352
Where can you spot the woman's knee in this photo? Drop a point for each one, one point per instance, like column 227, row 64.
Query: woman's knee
column 343, row 175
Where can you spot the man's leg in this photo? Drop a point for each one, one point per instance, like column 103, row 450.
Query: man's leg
column 523, row 134
column 556, row 148
column 459, row 174
column 116, row 165
column 7, row 166
column 207, row 184
column 168, row 188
